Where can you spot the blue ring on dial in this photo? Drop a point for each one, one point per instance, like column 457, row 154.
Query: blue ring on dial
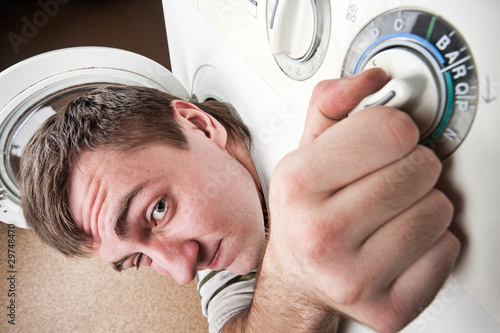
column 441, row 46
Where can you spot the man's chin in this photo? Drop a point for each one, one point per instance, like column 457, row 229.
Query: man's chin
column 243, row 268
column 248, row 260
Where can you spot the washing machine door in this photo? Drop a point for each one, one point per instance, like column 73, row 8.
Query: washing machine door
column 33, row 89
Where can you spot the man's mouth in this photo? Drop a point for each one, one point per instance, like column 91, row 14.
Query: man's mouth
column 213, row 263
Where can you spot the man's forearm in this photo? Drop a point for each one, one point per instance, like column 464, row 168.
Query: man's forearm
column 271, row 321
column 278, row 306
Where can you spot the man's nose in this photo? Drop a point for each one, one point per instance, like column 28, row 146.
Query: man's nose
column 176, row 259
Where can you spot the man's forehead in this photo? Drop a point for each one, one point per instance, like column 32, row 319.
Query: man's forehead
column 85, row 180
column 108, row 173
column 89, row 160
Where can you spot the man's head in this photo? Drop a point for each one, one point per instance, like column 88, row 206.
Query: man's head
column 129, row 172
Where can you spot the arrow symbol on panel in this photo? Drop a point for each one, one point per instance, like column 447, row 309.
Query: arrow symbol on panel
column 488, row 98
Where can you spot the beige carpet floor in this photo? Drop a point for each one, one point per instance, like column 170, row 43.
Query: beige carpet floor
column 57, row 294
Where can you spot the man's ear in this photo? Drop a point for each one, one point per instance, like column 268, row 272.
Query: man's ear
column 202, row 121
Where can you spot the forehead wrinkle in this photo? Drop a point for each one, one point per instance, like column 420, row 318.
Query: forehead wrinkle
column 91, row 185
column 95, row 191
column 98, row 195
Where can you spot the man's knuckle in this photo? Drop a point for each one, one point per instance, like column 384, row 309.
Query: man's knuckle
column 391, row 325
column 429, row 160
column 453, row 245
column 348, row 294
column 321, row 87
column 392, row 317
column 421, row 166
column 401, row 127
column 442, row 207
column 320, row 245
column 287, row 179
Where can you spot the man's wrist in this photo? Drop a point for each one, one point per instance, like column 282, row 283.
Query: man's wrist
column 279, row 305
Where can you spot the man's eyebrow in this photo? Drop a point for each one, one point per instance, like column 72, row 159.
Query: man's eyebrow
column 121, row 225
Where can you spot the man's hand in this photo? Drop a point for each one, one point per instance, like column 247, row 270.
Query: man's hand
column 356, row 225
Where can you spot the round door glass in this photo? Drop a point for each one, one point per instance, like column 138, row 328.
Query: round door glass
column 26, row 126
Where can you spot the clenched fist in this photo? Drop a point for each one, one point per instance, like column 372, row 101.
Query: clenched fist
column 356, row 224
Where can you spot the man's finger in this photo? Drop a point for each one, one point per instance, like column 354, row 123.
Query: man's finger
column 410, row 293
column 380, row 196
column 332, row 100
column 411, row 235
column 357, row 146
column 417, row 286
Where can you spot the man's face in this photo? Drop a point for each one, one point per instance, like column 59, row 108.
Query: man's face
column 173, row 210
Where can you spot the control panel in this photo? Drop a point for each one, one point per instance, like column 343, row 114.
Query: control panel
column 442, row 60
column 432, row 72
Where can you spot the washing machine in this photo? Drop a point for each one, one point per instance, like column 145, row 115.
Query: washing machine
column 265, row 57
column 441, row 57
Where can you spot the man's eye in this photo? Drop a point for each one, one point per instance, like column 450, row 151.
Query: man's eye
column 137, row 260
column 160, row 210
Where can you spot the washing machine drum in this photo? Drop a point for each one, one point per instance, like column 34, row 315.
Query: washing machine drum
column 33, row 89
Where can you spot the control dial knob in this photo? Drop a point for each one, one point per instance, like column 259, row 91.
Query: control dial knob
column 293, row 26
column 412, row 88
column 298, row 34
column 432, row 74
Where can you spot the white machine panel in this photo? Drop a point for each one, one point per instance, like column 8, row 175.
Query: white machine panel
column 443, row 59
